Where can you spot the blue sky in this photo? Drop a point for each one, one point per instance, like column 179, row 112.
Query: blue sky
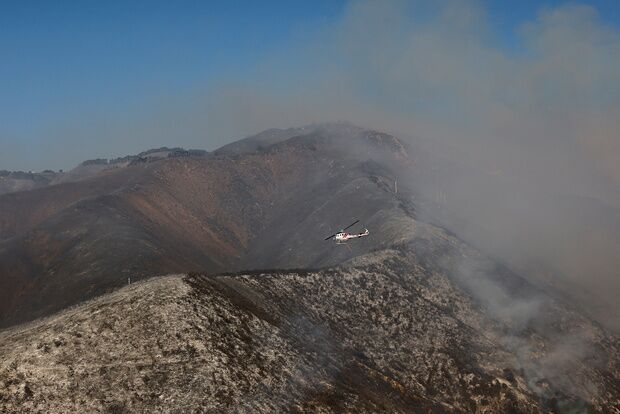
column 62, row 59
column 67, row 60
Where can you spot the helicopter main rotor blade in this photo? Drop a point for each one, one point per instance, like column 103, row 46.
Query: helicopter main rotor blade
column 351, row 225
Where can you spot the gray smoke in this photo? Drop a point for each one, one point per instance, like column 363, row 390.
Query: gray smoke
column 524, row 143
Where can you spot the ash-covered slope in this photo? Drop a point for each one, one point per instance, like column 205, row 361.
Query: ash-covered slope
column 391, row 331
column 221, row 212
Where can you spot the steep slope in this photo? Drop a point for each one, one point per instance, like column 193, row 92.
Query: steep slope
column 270, row 208
column 566, row 244
column 391, row 331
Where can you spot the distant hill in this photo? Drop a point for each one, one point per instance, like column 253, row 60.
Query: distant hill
column 14, row 181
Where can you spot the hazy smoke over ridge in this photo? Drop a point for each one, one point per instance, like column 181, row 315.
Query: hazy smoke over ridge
column 537, row 123
column 545, row 109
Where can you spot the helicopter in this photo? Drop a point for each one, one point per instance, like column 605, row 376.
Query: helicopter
column 341, row 237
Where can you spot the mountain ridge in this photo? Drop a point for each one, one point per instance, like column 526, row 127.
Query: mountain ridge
column 179, row 214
